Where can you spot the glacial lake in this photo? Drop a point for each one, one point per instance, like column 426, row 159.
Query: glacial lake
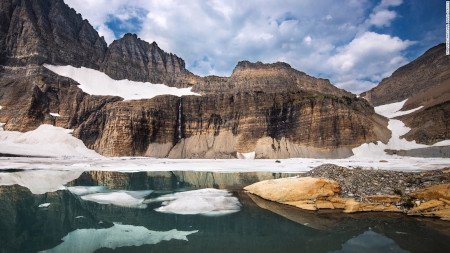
column 139, row 212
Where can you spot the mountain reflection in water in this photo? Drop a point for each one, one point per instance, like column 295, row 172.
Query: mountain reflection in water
column 258, row 226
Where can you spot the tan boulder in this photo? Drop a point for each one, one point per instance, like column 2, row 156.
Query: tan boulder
column 293, row 190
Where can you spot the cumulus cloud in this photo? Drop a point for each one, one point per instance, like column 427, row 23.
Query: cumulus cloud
column 367, row 59
column 213, row 35
column 382, row 18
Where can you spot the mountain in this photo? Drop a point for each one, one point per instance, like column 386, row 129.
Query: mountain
column 270, row 109
column 424, row 83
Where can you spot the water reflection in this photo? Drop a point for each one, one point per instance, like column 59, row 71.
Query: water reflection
column 259, row 226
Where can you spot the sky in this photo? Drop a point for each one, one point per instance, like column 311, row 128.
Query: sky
column 354, row 43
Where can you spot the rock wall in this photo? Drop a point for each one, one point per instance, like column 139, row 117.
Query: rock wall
column 217, row 126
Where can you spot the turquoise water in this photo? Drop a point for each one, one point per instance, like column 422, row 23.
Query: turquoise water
column 71, row 224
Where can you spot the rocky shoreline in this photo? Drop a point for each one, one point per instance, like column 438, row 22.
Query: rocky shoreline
column 362, row 190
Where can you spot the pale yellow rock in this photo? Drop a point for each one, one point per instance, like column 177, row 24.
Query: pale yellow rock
column 303, row 204
column 384, row 198
column 433, row 192
column 427, row 205
column 294, row 189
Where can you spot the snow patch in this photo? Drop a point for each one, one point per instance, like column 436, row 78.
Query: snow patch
column 55, row 114
column 398, row 129
column 210, row 202
column 442, row 143
column 90, row 240
column 132, row 199
column 393, row 110
column 98, row 83
column 46, row 140
column 44, row 205
column 250, row 155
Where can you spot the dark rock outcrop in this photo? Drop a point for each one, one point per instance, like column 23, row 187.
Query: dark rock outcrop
column 36, row 32
column 137, row 60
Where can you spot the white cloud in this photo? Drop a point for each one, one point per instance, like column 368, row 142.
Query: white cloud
column 307, row 40
column 382, row 18
column 213, row 35
column 367, row 59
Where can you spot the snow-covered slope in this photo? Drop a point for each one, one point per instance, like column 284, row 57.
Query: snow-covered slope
column 46, row 140
column 398, row 129
column 98, row 83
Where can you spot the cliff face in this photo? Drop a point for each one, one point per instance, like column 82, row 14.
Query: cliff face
column 270, row 109
column 273, row 125
column 34, row 32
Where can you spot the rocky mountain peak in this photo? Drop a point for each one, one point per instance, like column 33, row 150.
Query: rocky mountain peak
column 36, row 32
column 137, row 60
column 423, row 81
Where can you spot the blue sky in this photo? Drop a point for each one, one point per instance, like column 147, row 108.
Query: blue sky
column 354, row 43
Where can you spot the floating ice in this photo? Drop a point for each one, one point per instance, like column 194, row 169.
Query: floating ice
column 98, row 83
column 44, row 205
column 84, row 190
column 90, row 240
column 208, row 201
column 132, row 199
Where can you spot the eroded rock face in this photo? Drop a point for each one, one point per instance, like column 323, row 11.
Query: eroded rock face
column 35, row 32
column 29, row 94
column 217, row 126
column 429, row 125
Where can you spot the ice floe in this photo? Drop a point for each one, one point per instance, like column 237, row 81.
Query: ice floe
column 132, row 199
column 98, row 83
column 114, row 237
column 84, row 190
column 44, row 205
column 210, row 202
